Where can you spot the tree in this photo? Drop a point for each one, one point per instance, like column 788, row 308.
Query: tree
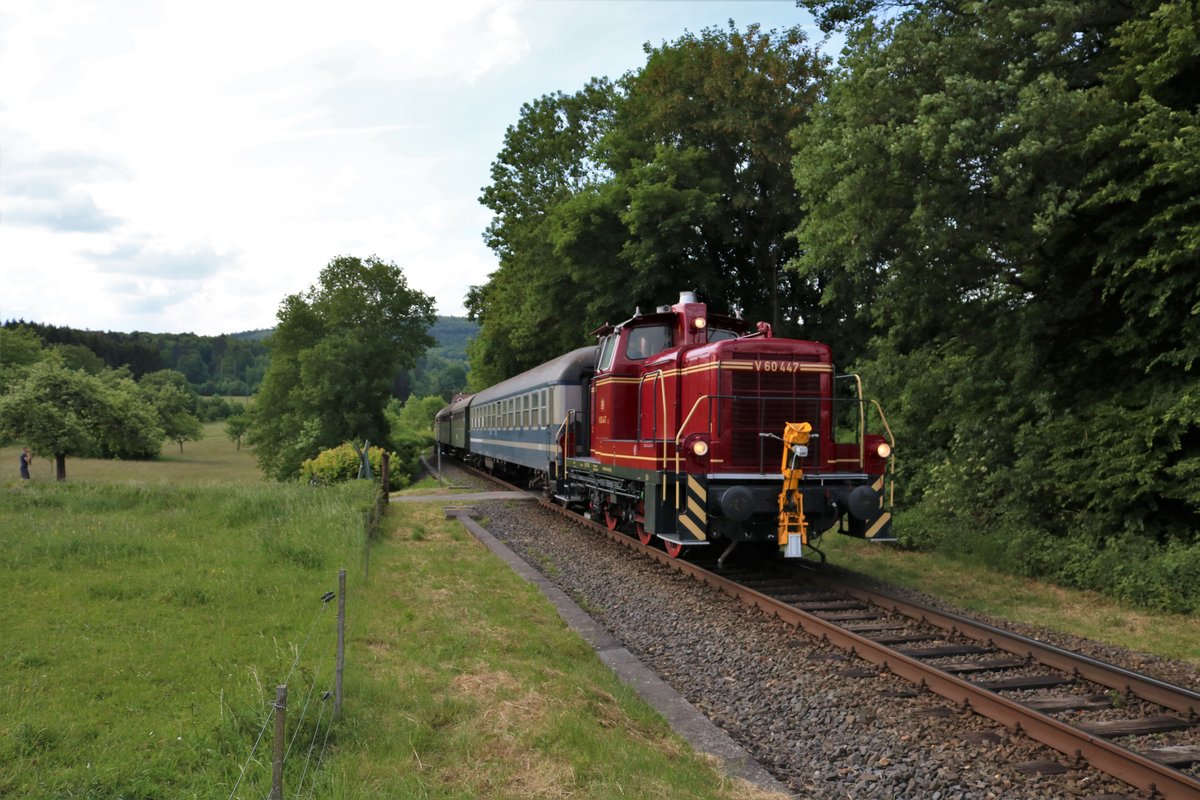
column 334, row 353
column 676, row 178
column 1005, row 195
column 20, row 349
column 70, row 413
column 173, row 398
column 529, row 307
column 237, row 425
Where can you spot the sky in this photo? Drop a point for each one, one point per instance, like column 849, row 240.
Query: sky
column 180, row 166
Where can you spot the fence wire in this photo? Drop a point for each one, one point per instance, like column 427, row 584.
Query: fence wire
column 297, row 723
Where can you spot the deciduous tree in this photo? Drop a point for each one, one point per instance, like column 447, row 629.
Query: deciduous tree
column 334, row 354
column 65, row 412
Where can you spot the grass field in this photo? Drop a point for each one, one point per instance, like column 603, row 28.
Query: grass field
column 153, row 607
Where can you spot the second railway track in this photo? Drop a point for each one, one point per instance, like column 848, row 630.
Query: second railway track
column 1077, row 705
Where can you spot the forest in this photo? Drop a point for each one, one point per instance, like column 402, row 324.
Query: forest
column 233, row 364
column 989, row 210
column 230, row 364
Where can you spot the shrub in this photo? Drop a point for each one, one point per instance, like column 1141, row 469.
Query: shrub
column 341, row 464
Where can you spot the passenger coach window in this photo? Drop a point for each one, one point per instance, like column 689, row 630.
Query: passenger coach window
column 645, row 342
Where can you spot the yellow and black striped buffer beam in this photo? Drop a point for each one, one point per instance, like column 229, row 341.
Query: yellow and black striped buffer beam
column 881, row 528
column 694, row 517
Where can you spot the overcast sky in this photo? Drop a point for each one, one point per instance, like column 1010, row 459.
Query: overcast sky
column 183, row 166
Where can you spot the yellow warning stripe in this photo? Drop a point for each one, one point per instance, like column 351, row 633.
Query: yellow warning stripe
column 695, row 529
column 697, row 500
column 873, row 531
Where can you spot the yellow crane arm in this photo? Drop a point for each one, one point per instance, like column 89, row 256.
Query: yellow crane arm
column 793, row 528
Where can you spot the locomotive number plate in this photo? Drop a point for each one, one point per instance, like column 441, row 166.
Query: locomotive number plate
column 776, row 366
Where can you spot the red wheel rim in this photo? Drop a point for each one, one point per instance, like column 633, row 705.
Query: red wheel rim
column 644, row 536
column 611, row 520
column 673, row 549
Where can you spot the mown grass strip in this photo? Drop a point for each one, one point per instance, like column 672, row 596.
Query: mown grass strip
column 480, row 689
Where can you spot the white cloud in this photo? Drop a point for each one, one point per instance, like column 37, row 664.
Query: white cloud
column 170, row 165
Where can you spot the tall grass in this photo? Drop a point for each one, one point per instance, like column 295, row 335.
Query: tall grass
column 152, row 608
column 147, row 622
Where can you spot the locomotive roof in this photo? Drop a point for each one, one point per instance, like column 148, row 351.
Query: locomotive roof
column 669, row 318
column 567, row 368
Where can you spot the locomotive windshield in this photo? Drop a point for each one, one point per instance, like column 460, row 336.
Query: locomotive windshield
column 721, row 334
column 646, row 341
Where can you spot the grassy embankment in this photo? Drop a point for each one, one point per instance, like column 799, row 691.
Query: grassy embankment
column 975, row 586
column 153, row 607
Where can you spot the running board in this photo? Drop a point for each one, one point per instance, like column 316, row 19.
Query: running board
column 676, row 540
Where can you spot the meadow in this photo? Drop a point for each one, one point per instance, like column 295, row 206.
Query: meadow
column 153, row 607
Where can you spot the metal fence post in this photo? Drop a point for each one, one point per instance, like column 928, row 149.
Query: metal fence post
column 341, row 645
column 387, row 475
column 280, row 719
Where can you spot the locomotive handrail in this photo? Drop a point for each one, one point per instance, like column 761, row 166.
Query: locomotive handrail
column 892, row 459
column 560, row 434
column 660, row 380
column 862, row 418
column 679, row 440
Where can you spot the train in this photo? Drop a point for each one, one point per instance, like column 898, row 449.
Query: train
column 691, row 429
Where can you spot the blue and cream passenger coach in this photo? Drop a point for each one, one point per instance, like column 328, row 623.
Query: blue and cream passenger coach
column 519, row 420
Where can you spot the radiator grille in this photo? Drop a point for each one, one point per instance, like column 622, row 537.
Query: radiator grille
column 763, row 402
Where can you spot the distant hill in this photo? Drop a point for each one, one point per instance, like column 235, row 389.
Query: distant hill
column 252, row 336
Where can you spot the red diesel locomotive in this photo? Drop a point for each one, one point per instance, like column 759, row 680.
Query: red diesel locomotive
column 691, row 428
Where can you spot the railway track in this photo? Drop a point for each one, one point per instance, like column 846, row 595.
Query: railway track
column 1094, row 713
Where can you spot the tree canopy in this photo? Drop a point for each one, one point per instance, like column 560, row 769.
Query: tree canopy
column 334, row 354
column 64, row 412
column 676, row 177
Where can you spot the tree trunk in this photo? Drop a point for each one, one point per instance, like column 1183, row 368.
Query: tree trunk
column 60, row 465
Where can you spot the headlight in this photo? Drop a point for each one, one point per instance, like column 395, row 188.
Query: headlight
column 700, row 447
column 699, row 322
column 883, row 450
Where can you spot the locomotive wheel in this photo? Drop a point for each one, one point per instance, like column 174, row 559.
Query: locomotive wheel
column 673, row 549
column 644, row 536
column 610, row 519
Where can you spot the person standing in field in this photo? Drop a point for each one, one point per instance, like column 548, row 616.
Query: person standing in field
column 26, row 457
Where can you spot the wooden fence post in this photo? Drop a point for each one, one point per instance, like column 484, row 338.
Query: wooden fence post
column 387, row 475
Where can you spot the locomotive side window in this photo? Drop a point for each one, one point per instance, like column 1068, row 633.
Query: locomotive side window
column 607, row 350
column 645, row 342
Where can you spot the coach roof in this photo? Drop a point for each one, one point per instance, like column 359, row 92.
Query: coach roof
column 568, row 368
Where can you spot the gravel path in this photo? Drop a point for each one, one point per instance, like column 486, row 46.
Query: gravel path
column 804, row 710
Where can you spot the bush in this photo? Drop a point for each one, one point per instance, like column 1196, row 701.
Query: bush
column 341, row 464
